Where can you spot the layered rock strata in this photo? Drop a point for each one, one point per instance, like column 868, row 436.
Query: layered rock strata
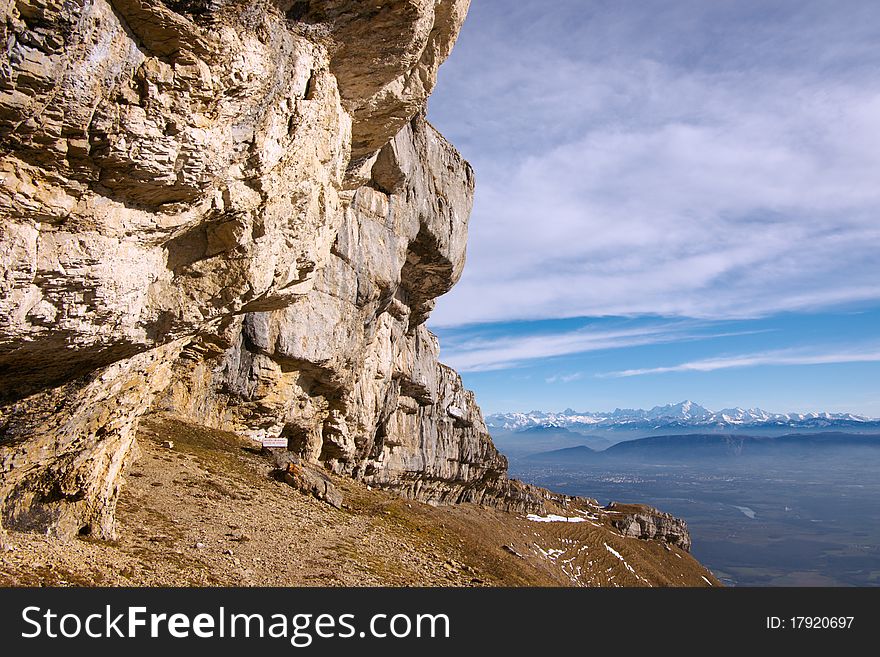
column 645, row 522
column 235, row 211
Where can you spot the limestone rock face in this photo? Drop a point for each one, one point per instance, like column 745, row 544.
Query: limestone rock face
column 348, row 373
column 237, row 212
column 405, row 44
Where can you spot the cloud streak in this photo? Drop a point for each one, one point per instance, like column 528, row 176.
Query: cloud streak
column 564, row 378
column 777, row 358
column 483, row 354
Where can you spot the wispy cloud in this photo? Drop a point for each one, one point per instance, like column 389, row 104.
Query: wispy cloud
column 486, row 354
column 564, row 378
column 482, row 354
column 752, row 360
column 710, row 160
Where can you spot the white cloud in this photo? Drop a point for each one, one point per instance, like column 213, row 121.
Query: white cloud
column 871, row 355
column 650, row 181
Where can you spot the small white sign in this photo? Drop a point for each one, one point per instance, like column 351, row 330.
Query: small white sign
column 275, row 442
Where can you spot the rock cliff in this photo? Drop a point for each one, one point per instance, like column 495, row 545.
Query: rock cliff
column 645, row 522
column 236, row 212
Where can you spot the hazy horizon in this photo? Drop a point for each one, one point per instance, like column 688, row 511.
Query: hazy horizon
column 771, row 411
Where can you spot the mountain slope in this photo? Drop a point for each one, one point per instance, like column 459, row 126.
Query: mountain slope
column 578, row 454
column 207, row 512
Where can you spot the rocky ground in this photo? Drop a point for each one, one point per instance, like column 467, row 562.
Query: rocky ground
column 201, row 508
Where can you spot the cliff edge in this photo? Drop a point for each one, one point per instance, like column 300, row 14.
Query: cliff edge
column 234, row 212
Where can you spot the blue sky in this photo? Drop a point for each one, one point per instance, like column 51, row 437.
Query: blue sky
column 674, row 200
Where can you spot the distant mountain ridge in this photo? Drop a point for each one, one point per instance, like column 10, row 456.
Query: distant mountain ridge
column 686, row 414
column 688, row 447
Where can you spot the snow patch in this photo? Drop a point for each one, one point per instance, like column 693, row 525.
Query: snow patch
column 553, row 518
column 613, row 551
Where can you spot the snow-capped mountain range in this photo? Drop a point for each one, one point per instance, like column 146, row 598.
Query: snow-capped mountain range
column 686, row 414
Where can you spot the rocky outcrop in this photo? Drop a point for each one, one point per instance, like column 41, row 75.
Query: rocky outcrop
column 645, row 522
column 348, row 373
column 236, row 212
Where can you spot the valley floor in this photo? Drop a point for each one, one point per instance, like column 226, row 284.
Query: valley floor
column 206, row 512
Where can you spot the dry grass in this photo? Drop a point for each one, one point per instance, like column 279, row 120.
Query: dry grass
column 207, row 512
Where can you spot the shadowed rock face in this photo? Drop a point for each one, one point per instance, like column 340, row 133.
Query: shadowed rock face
column 236, row 211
